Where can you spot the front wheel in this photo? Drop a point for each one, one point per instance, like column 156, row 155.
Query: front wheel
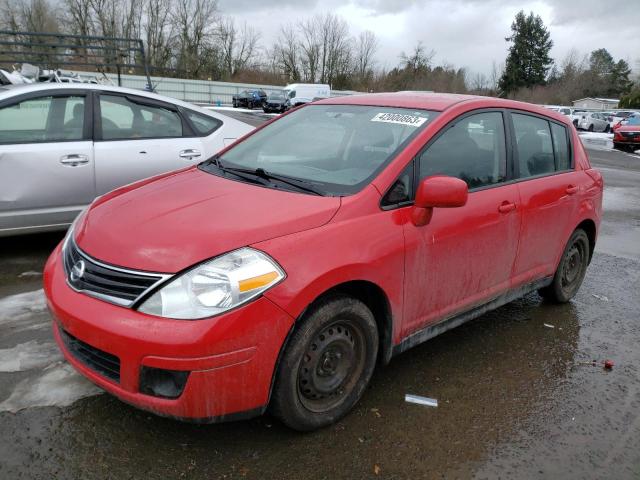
column 327, row 364
column 607, row 129
column 591, row 128
column 571, row 270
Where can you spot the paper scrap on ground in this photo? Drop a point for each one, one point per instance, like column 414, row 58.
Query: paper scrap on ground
column 429, row 402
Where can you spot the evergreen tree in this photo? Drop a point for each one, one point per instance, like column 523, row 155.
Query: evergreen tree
column 528, row 61
column 620, row 83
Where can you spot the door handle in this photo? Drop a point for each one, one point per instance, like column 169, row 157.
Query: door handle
column 571, row 189
column 506, row 207
column 189, row 153
column 74, row 160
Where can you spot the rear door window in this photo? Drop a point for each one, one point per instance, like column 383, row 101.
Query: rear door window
column 473, row 149
column 542, row 147
column 533, row 146
column 123, row 119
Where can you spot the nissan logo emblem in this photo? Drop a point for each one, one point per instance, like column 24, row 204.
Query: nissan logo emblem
column 77, row 271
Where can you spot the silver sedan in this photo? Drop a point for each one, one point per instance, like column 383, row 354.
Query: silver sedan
column 594, row 122
column 62, row 145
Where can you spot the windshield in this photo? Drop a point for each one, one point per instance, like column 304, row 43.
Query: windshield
column 276, row 96
column 336, row 149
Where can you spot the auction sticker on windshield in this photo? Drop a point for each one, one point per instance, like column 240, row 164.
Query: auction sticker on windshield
column 400, row 119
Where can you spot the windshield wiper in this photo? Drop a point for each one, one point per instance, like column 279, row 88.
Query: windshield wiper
column 251, row 174
column 262, row 173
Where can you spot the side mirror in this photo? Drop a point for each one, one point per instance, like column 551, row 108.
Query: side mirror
column 437, row 192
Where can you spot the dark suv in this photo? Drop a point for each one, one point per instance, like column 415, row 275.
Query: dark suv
column 249, row 99
column 276, row 102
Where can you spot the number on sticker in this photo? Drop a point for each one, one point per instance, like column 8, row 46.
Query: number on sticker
column 399, row 118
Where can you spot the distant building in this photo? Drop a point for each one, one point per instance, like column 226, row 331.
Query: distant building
column 596, row 103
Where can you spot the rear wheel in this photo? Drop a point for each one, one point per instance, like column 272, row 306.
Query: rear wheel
column 571, row 270
column 606, row 129
column 591, row 128
column 326, row 365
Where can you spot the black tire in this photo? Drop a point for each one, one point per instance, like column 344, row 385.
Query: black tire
column 617, row 146
column 235, row 104
column 571, row 270
column 591, row 128
column 575, row 123
column 327, row 364
column 606, row 129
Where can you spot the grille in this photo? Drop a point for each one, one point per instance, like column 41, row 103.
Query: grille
column 113, row 284
column 102, row 362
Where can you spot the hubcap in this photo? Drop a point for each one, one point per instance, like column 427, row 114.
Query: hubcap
column 331, row 366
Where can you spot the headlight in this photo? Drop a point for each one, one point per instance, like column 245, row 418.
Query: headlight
column 215, row 286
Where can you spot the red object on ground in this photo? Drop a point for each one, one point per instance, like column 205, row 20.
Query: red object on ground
column 608, row 364
column 421, row 268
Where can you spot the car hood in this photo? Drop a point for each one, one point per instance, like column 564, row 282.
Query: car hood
column 628, row 128
column 172, row 222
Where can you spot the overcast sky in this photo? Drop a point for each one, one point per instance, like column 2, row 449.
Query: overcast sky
column 465, row 33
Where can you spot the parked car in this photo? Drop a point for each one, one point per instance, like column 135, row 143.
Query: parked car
column 62, row 145
column 301, row 93
column 279, row 273
column 249, row 99
column 627, row 137
column 277, row 102
column 575, row 115
column 621, row 118
column 594, row 122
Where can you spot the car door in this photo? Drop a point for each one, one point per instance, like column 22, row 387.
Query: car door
column 137, row 138
column 548, row 185
column 465, row 255
column 46, row 159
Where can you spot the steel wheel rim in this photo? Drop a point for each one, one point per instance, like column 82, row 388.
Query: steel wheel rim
column 331, row 365
column 573, row 266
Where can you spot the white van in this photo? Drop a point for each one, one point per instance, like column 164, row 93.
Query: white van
column 299, row 93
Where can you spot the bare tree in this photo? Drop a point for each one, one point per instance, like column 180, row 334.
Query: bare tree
column 238, row 46
column 418, row 60
column 79, row 16
column 366, row 47
column 158, row 32
column 287, row 53
column 310, row 46
column 195, row 24
column 479, row 83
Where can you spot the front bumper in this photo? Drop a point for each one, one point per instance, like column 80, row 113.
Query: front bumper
column 231, row 358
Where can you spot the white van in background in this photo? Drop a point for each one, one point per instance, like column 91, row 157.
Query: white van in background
column 299, row 93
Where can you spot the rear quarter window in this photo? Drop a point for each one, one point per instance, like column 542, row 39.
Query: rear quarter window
column 203, row 124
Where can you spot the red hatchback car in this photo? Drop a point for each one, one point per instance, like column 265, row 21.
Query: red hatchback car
column 278, row 273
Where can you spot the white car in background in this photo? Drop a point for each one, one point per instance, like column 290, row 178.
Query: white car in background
column 62, row 145
column 594, row 122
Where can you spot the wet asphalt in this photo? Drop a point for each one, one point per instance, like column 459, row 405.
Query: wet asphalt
column 516, row 399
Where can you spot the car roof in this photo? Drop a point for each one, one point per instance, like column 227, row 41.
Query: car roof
column 42, row 86
column 8, row 91
column 438, row 102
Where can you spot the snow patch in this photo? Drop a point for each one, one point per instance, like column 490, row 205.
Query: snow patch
column 59, row 385
column 598, row 141
column 23, row 311
column 29, row 355
column 243, row 110
column 30, row 273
